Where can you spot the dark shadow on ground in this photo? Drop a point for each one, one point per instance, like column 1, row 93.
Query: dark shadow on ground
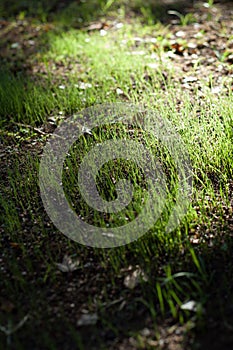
column 217, row 331
column 80, row 12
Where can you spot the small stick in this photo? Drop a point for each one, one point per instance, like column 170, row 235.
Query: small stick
column 30, row 127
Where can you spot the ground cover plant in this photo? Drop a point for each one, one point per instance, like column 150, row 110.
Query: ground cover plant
column 165, row 290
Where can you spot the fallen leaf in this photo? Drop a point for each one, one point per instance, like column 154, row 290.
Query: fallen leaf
column 15, row 46
column 194, row 240
column 83, row 86
column 86, row 130
column 68, row 265
column 191, row 305
column 119, row 25
column 87, row 320
column 145, row 332
column 119, row 91
column 180, row 34
column 216, row 89
column 103, row 32
column 153, row 65
column 177, row 48
column 189, row 79
column 15, row 245
column 95, row 26
column 133, row 279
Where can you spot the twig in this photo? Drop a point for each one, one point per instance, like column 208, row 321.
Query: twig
column 30, row 127
column 8, row 331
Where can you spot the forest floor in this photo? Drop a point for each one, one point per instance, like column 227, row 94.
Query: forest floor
column 163, row 291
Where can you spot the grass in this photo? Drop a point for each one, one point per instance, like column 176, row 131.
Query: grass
column 96, row 68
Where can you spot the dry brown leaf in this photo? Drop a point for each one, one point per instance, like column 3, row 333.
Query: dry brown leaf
column 68, row 265
column 133, row 279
